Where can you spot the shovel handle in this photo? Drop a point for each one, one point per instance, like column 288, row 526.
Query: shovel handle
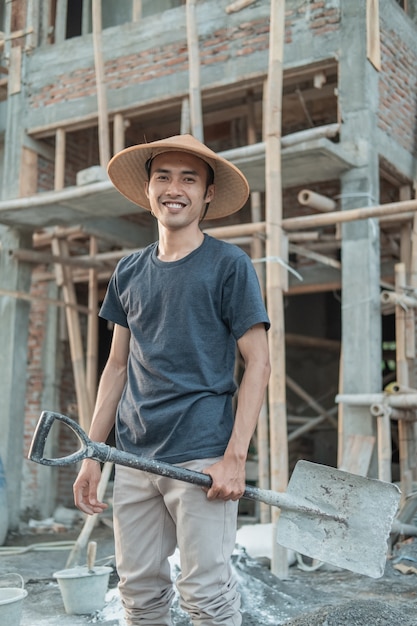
column 104, row 453
column 87, row 448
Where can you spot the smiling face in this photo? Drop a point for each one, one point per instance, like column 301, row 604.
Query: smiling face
column 178, row 189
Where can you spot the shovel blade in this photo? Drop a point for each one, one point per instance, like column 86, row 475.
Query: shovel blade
column 355, row 526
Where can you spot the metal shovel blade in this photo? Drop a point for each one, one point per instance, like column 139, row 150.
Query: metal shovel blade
column 353, row 533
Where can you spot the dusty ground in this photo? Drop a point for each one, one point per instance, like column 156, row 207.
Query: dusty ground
column 324, row 597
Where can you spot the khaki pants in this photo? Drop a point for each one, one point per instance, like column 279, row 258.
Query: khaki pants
column 154, row 514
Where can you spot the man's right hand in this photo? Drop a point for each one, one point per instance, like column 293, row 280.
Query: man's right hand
column 85, row 488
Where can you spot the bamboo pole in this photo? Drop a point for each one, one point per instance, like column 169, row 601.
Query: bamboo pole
column 238, row 5
column 405, row 430
column 92, row 328
column 91, row 520
column 304, row 395
column 103, row 122
column 275, row 277
column 196, row 112
column 21, row 295
column 257, row 252
column 185, row 116
column 316, row 201
column 118, row 133
column 338, row 217
column 63, row 276
column 137, row 10
column 398, row 400
column 383, row 414
column 60, row 142
column 398, row 299
column 33, row 256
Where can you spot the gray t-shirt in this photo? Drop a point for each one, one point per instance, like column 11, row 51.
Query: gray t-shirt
column 185, row 317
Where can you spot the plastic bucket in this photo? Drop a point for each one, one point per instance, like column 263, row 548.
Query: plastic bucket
column 11, row 602
column 82, row 591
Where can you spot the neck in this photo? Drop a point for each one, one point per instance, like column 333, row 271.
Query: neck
column 174, row 245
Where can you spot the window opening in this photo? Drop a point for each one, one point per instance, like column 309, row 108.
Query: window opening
column 74, row 19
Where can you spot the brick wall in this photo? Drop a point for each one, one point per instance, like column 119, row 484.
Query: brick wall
column 398, row 89
column 155, row 62
column 30, row 504
column 34, row 389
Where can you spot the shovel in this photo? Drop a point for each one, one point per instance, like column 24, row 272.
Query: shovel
column 326, row 514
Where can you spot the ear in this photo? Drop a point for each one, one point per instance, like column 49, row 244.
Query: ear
column 146, row 185
column 210, row 193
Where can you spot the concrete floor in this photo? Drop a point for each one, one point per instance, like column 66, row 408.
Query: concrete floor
column 265, row 599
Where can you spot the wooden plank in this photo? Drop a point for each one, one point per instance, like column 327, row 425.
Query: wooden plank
column 28, row 178
column 357, row 454
column 15, row 69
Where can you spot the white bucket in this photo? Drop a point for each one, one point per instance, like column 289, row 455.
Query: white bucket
column 11, row 602
column 82, row 591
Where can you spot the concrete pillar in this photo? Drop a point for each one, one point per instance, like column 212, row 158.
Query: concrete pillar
column 14, row 312
column 13, row 358
column 361, row 319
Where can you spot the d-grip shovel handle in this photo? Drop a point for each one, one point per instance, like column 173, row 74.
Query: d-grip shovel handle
column 88, row 449
column 103, row 453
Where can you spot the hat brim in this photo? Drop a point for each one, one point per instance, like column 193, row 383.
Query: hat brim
column 127, row 171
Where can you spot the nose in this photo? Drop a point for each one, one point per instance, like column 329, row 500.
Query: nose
column 173, row 187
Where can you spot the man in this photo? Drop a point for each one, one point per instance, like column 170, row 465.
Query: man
column 180, row 307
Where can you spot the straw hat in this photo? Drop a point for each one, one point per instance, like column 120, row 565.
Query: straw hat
column 127, row 171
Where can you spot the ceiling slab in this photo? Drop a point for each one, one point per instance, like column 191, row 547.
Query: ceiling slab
column 304, row 163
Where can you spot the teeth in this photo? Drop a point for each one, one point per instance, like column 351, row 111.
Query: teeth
column 173, row 205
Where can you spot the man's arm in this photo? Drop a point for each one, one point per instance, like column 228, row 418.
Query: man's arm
column 109, row 392
column 229, row 474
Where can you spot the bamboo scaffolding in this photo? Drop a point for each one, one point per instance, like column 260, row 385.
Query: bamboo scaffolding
column 310, row 401
column 339, row 217
column 64, row 280
column 22, row 295
column 398, row 299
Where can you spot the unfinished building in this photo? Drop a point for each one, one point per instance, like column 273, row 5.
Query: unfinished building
column 316, row 102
